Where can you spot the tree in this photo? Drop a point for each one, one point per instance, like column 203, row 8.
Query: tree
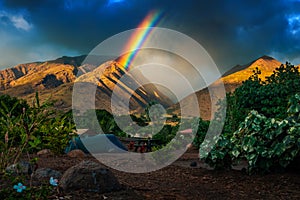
column 269, row 97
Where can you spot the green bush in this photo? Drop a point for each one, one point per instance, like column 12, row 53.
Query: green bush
column 166, row 134
column 202, row 128
column 269, row 97
column 262, row 123
column 267, row 144
column 31, row 129
column 54, row 135
column 18, row 130
column 12, row 104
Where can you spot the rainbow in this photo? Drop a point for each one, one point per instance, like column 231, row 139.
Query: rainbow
column 138, row 38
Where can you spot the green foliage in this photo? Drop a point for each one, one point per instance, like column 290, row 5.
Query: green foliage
column 103, row 120
column 54, row 135
column 269, row 97
column 18, row 130
column 141, row 120
column 201, row 128
column 294, row 108
column 108, row 124
column 219, row 156
column 166, row 134
column 41, row 191
column 30, row 129
column 265, row 143
column 262, row 123
column 12, row 104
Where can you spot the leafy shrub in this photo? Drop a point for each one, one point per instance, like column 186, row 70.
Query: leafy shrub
column 166, row 134
column 12, row 104
column 103, row 120
column 54, row 135
column 219, row 157
column 18, row 130
column 265, row 143
column 30, row 129
column 201, row 128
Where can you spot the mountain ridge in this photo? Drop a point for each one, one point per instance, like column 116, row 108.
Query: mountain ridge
column 55, row 79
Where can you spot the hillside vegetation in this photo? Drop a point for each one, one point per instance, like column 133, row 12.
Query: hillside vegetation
column 262, row 123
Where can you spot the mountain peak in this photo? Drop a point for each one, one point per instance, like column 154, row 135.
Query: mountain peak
column 261, row 62
column 240, row 73
column 265, row 57
column 66, row 60
column 264, row 63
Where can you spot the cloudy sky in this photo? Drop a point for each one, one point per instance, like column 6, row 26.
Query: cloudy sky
column 233, row 32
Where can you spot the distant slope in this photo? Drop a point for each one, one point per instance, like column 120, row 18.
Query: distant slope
column 232, row 79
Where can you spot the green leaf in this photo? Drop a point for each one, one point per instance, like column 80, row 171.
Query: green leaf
column 252, row 158
column 248, row 144
column 279, row 149
column 235, row 153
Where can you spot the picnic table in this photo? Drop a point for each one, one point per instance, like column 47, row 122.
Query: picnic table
column 142, row 144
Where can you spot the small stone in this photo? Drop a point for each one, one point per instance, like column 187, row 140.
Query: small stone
column 189, row 146
column 76, row 153
column 193, row 164
column 44, row 153
column 46, row 173
column 22, row 167
column 242, row 165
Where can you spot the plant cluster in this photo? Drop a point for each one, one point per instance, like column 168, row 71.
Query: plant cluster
column 269, row 97
column 29, row 129
column 17, row 188
column 268, row 137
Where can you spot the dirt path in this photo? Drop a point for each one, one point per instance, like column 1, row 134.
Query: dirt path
column 181, row 181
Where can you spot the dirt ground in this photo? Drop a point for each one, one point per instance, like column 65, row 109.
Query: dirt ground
column 180, row 181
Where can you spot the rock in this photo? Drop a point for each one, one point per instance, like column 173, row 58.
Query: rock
column 242, row 165
column 46, row 173
column 22, row 167
column 89, row 176
column 204, row 165
column 76, row 153
column 44, row 153
column 189, row 146
column 193, row 164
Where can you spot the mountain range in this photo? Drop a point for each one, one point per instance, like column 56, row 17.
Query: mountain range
column 55, row 80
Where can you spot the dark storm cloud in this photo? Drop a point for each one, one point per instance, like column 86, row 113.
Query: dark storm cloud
column 238, row 31
column 231, row 31
column 78, row 24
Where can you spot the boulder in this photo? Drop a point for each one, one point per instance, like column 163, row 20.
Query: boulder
column 46, row 173
column 76, row 153
column 89, row 176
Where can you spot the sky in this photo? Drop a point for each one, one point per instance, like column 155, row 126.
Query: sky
column 232, row 32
